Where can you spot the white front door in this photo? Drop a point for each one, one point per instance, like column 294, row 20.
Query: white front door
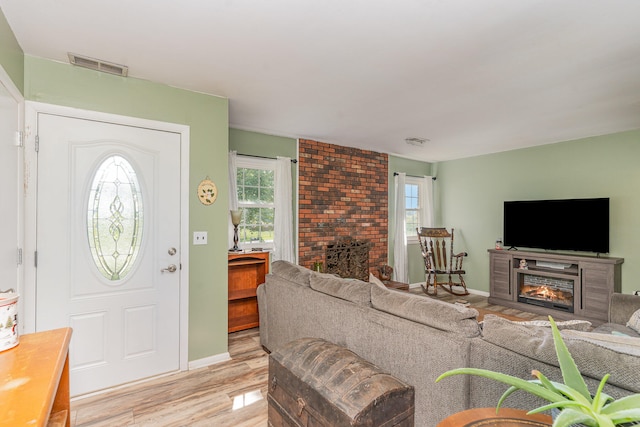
column 108, row 247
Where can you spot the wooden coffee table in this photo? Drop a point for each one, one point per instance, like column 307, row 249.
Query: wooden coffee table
column 487, row 417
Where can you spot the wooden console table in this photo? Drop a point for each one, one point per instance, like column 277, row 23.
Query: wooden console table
column 486, row 417
column 34, row 380
column 593, row 280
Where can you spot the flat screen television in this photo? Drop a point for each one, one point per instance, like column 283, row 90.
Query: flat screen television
column 567, row 224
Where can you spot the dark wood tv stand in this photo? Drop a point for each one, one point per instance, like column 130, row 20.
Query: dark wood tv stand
column 594, row 279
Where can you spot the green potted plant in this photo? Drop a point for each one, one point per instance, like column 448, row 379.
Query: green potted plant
column 572, row 399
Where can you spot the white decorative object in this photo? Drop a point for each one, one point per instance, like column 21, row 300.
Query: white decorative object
column 8, row 320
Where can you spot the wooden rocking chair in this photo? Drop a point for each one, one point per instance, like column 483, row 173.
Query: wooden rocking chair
column 433, row 244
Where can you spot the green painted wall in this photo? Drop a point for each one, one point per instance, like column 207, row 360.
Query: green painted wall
column 260, row 144
column 471, row 193
column 414, row 257
column 11, row 55
column 207, row 117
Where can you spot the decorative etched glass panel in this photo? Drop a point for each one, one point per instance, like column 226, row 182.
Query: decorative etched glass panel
column 115, row 217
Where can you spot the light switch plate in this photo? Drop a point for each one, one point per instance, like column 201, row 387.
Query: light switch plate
column 199, row 237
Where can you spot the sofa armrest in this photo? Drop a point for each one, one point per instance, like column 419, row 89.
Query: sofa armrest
column 262, row 313
column 622, row 306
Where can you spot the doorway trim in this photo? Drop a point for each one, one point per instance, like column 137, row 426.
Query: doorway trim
column 14, row 92
column 32, row 109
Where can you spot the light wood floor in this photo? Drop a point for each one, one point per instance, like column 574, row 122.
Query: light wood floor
column 231, row 393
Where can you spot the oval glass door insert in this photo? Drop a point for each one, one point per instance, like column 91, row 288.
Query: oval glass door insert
column 115, row 217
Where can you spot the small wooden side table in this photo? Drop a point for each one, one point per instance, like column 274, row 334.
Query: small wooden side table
column 396, row 285
column 487, row 417
column 246, row 271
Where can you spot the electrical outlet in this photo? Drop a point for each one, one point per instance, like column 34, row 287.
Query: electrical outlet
column 199, row 237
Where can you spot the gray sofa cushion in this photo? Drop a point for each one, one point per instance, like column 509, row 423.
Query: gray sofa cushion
column 595, row 354
column 425, row 310
column 291, row 272
column 622, row 306
column 353, row 290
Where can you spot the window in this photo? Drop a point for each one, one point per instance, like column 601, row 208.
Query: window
column 415, row 206
column 115, row 218
column 256, row 186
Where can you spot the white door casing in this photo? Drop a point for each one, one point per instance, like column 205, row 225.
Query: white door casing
column 11, row 159
column 125, row 328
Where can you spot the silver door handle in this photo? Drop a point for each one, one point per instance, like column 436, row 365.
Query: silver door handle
column 171, row 268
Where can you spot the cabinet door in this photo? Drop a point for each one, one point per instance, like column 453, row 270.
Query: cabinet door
column 500, row 280
column 596, row 286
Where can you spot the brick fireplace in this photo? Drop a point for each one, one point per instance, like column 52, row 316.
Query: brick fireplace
column 343, row 192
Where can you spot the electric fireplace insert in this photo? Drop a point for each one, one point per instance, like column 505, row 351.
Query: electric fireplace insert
column 549, row 292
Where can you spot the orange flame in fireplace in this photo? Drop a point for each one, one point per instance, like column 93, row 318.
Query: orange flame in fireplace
column 547, row 293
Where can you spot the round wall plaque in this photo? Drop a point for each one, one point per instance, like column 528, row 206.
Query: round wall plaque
column 207, row 191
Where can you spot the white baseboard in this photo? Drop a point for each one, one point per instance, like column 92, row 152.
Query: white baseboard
column 471, row 291
column 208, row 361
column 477, row 292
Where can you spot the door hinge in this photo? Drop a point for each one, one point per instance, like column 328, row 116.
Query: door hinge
column 37, row 143
column 19, row 138
column 35, row 259
column 19, row 256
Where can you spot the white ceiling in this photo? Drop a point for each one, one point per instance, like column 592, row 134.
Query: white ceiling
column 473, row 76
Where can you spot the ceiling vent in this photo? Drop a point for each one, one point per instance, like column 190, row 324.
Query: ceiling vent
column 98, row 65
column 418, row 142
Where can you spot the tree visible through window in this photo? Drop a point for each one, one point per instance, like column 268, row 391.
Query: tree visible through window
column 255, row 179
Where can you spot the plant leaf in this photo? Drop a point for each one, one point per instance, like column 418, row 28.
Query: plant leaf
column 544, row 380
column 505, row 395
column 626, row 416
column 622, row 404
column 600, row 398
column 559, row 405
column 525, row 385
column 570, row 373
column 568, row 417
column 573, row 395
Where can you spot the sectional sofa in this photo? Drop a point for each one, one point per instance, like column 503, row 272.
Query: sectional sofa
column 417, row 338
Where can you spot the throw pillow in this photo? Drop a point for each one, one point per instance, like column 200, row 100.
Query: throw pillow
column 619, row 334
column 576, row 325
column 634, row 321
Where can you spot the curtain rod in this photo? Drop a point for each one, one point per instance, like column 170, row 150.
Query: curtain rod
column 265, row 157
column 415, row 176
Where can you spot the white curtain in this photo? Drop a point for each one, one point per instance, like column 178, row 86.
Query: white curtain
column 283, row 220
column 400, row 266
column 426, row 199
column 233, row 192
